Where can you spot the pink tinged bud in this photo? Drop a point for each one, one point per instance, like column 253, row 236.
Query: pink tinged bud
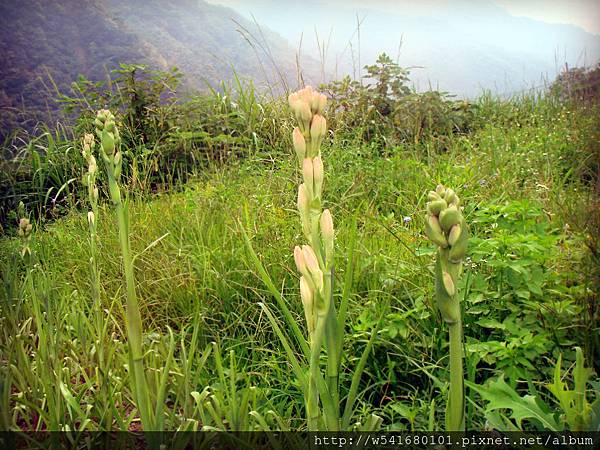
column 299, row 144
column 318, row 175
column 304, row 116
column 310, row 258
column 306, row 294
column 293, row 101
column 322, row 103
column 326, row 223
column 318, row 127
column 307, row 173
column 303, row 199
column 299, row 260
column 327, row 226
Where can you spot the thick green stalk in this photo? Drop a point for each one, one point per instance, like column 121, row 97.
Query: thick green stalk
column 312, row 405
column 333, row 346
column 456, row 397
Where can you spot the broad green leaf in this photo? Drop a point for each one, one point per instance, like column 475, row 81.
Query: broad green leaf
column 500, row 395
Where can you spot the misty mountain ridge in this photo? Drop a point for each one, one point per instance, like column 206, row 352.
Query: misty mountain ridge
column 461, row 47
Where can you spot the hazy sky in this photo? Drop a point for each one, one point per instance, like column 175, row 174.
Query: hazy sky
column 584, row 13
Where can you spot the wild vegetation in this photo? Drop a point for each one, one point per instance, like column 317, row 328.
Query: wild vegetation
column 156, row 288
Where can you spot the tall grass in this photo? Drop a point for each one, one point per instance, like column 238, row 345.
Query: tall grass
column 527, row 298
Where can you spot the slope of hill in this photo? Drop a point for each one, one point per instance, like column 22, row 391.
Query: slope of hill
column 64, row 38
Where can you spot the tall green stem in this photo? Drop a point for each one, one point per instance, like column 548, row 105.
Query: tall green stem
column 134, row 322
column 456, row 397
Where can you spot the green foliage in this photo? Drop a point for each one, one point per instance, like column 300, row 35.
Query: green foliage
column 384, row 109
column 529, row 289
column 571, row 411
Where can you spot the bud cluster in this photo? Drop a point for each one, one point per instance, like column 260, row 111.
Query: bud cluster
column 316, row 259
column 24, row 233
column 89, row 178
column 110, row 149
column 446, row 227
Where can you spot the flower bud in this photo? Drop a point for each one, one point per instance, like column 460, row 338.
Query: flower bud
column 326, row 223
column 92, row 167
column 322, row 103
column 306, row 294
column 449, row 217
column 448, row 284
column 440, row 189
column 308, row 175
column 454, row 234
column 304, row 208
column 91, row 218
column 318, row 128
column 434, row 231
column 299, row 144
column 108, row 143
column 436, row 206
column 303, row 115
column 310, row 258
column 433, row 196
column 318, row 175
column 449, row 196
column 95, row 194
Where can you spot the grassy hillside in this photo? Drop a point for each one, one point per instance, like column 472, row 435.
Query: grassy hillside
column 213, row 360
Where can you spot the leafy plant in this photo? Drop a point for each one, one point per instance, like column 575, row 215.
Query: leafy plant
column 572, row 410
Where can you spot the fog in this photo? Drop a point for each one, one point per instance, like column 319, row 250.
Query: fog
column 462, row 47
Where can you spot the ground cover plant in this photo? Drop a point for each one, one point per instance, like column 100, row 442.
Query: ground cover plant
column 162, row 292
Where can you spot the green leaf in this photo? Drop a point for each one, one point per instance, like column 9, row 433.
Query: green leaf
column 500, row 395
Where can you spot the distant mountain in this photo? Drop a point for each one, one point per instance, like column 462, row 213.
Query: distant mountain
column 60, row 39
column 461, row 46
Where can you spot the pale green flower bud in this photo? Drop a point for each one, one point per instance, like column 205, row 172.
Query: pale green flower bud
column 449, row 217
column 304, row 208
column 448, row 284
column 434, row 231
column 303, row 115
column 454, row 234
column 108, row 143
column 433, row 196
column 91, row 218
column 435, row 207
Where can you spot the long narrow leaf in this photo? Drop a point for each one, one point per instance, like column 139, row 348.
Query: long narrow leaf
column 266, row 279
column 347, row 417
column 288, row 349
